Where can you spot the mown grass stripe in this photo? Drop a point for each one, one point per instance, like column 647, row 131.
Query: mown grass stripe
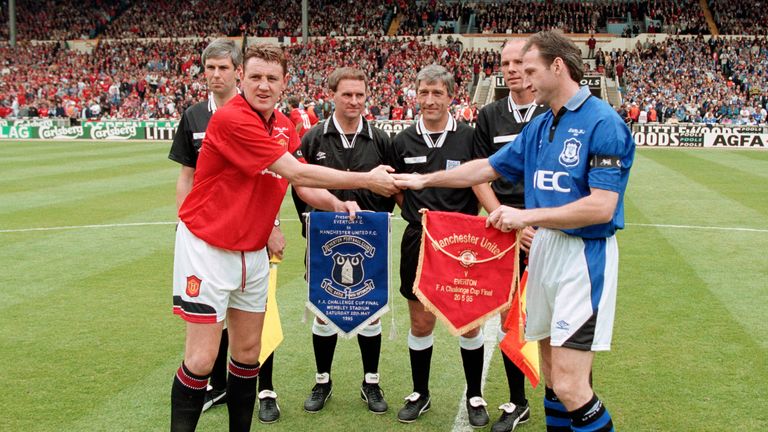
column 738, row 186
column 78, row 190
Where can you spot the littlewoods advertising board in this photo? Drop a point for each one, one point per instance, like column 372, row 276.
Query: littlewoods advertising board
column 647, row 135
column 106, row 130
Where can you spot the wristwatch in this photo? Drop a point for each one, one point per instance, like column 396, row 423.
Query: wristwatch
column 277, row 222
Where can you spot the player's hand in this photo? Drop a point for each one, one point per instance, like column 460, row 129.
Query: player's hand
column 409, row 181
column 505, row 219
column 381, row 182
column 350, row 207
column 276, row 243
column 526, row 238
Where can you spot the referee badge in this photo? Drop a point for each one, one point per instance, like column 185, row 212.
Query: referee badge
column 569, row 157
column 193, row 286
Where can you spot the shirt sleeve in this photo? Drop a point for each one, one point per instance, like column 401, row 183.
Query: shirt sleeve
column 245, row 144
column 610, row 155
column 182, row 149
column 481, row 140
column 509, row 161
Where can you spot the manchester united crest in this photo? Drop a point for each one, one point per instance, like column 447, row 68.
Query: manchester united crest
column 193, row 286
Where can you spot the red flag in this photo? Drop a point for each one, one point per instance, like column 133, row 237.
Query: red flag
column 523, row 353
column 466, row 271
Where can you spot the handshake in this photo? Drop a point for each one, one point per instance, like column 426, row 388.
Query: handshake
column 383, row 181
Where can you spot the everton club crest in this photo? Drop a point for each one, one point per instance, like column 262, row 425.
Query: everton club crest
column 348, row 268
column 569, row 157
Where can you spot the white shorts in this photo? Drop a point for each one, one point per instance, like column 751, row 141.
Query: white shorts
column 207, row 280
column 571, row 293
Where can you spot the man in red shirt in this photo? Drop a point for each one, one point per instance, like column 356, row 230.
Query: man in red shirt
column 302, row 119
column 221, row 268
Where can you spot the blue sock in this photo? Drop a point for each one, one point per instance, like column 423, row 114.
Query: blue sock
column 557, row 418
column 592, row 417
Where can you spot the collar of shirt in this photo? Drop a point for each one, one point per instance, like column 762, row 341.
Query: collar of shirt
column 577, row 100
column 422, row 130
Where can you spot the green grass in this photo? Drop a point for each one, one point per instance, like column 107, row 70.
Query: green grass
column 88, row 341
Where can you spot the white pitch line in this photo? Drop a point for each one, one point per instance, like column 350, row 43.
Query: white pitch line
column 461, row 422
column 713, row 228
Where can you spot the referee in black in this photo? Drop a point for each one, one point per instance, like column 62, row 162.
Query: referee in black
column 436, row 142
column 347, row 141
column 222, row 63
column 498, row 124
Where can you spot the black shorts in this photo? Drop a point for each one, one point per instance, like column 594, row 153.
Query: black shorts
column 409, row 260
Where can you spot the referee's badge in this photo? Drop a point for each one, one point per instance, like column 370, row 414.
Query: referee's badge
column 451, row 164
column 193, row 286
column 569, row 157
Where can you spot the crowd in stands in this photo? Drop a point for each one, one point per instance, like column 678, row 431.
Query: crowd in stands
column 734, row 17
column 61, row 19
column 391, row 65
column 159, row 79
column 692, row 80
column 525, row 16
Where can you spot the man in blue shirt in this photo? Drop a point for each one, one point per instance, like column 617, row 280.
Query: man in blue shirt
column 574, row 161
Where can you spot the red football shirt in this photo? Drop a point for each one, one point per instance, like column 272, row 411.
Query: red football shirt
column 234, row 197
column 300, row 117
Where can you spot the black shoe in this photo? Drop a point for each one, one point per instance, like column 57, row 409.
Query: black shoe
column 511, row 416
column 372, row 393
column 269, row 410
column 321, row 392
column 415, row 405
column 476, row 412
column 214, row 397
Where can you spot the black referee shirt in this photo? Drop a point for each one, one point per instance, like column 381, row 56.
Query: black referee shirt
column 323, row 145
column 189, row 136
column 411, row 154
column 496, row 127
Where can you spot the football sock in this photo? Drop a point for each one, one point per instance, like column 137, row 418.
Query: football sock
column 592, row 417
column 241, row 395
column 325, row 346
column 219, row 372
column 187, row 398
column 516, row 382
column 420, row 351
column 557, row 419
column 369, row 341
column 324, row 339
column 472, row 359
column 265, row 374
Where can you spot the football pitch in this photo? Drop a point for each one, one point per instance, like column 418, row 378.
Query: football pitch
column 88, row 341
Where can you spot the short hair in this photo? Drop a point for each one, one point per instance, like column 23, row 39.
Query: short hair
column 553, row 44
column 348, row 73
column 293, row 102
column 223, row 48
column 436, row 73
column 267, row 52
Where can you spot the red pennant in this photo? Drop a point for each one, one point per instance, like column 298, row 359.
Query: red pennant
column 466, row 271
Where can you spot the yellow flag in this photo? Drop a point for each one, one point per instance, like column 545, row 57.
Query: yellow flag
column 272, row 333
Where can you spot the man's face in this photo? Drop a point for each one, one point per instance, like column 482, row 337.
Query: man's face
column 263, row 84
column 221, row 75
column 349, row 98
column 512, row 65
column 434, row 100
column 539, row 76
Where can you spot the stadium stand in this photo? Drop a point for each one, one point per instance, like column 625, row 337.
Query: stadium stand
column 129, row 74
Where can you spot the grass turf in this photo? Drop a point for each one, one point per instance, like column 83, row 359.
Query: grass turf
column 87, row 340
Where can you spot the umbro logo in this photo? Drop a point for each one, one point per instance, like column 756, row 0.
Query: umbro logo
column 562, row 325
column 320, row 156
